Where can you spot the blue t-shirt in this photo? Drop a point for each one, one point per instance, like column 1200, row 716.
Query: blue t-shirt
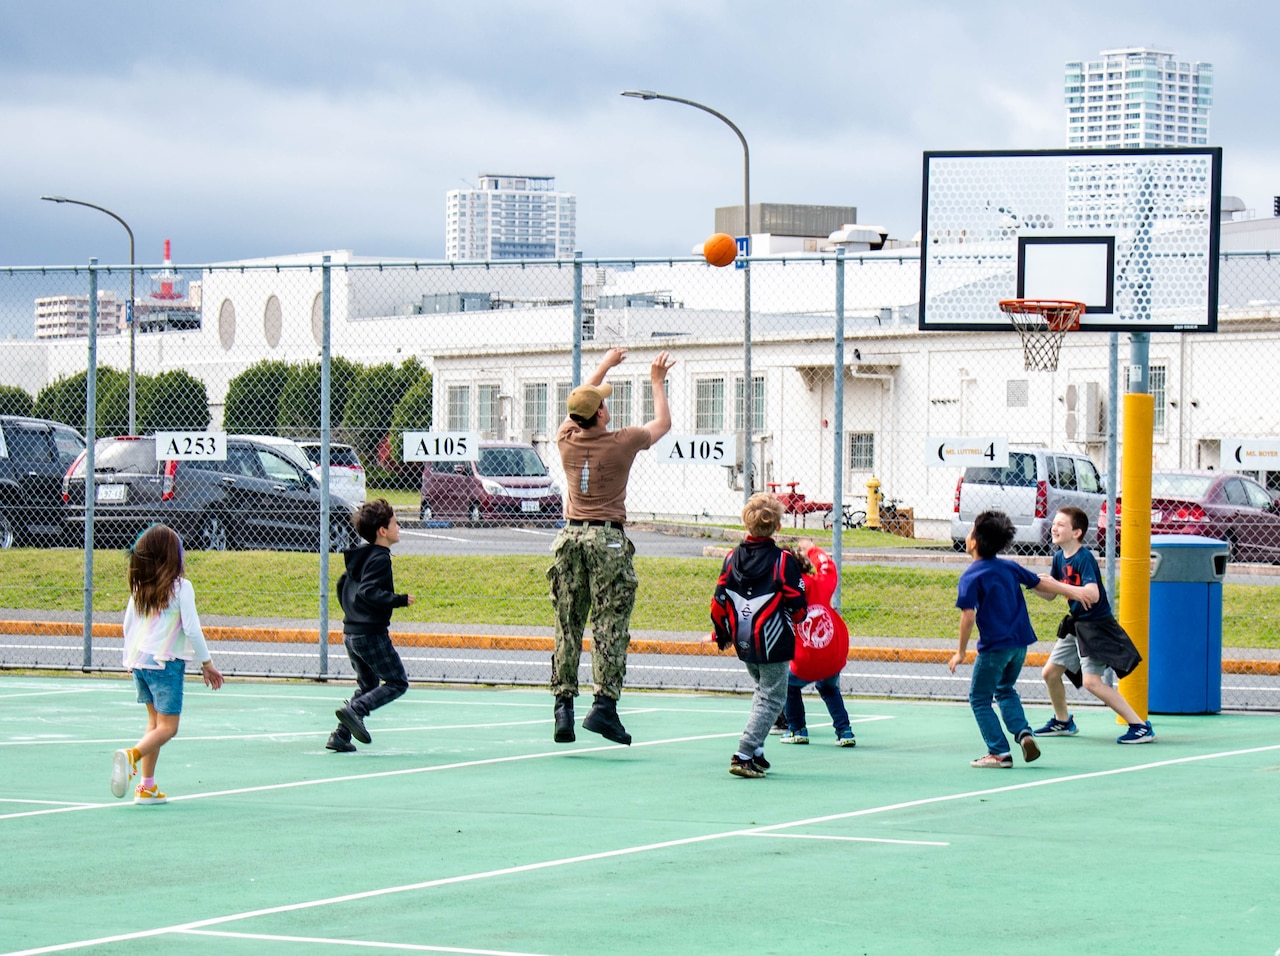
column 993, row 587
column 1078, row 570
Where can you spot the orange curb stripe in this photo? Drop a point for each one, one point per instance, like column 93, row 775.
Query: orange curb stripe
column 502, row 642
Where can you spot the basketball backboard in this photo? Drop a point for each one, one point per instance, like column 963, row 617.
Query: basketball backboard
column 1132, row 233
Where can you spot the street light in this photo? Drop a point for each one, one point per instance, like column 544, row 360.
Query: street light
column 748, row 386
column 133, row 365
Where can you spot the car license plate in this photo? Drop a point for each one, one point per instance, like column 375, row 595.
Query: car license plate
column 529, row 506
column 113, row 492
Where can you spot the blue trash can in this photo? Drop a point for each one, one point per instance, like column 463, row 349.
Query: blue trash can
column 1185, row 651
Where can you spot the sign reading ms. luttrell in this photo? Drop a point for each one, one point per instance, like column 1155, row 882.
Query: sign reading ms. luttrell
column 949, row 452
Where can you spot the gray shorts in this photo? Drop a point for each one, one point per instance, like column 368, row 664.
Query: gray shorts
column 1066, row 654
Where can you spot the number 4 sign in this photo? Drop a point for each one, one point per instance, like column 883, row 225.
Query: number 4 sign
column 949, row 452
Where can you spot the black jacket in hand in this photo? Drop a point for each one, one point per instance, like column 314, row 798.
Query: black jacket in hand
column 367, row 592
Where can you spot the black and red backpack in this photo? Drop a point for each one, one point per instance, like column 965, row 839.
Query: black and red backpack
column 755, row 612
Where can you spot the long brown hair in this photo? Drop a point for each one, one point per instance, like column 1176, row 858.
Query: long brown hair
column 155, row 567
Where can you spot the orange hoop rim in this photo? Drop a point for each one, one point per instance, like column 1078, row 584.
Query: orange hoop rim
column 1060, row 315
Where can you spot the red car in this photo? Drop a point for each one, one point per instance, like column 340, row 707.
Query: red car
column 1215, row 504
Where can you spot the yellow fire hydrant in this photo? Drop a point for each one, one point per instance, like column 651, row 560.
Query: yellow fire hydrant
column 873, row 502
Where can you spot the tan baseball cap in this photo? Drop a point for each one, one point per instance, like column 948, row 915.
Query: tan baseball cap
column 585, row 399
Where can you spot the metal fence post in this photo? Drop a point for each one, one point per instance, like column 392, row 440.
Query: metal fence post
column 90, row 437
column 837, row 424
column 577, row 319
column 325, row 343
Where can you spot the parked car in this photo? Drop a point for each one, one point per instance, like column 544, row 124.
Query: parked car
column 34, row 455
column 1030, row 490
column 256, row 498
column 1215, row 504
column 507, row 482
column 346, row 474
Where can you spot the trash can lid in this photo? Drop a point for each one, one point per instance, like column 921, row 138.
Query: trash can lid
column 1187, row 541
column 1188, row 558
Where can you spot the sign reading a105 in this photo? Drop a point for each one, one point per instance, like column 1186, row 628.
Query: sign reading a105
column 441, row 446
column 697, row 449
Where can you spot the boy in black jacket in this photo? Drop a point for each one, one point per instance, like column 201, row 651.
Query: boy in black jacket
column 758, row 600
column 367, row 595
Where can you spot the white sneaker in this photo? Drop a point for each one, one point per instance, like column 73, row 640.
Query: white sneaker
column 122, row 771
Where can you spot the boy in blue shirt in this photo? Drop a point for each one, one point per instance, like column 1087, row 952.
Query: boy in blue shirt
column 990, row 595
column 1090, row 639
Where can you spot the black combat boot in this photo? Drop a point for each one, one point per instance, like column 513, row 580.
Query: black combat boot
column 603, row 719
column 564, row 719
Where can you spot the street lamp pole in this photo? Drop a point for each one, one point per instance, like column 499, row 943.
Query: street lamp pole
column 133, row 332
column 748, row 385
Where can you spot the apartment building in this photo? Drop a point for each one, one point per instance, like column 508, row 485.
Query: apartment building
column 509, row 217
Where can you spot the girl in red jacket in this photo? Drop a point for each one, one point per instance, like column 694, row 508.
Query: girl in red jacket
column 822, row 647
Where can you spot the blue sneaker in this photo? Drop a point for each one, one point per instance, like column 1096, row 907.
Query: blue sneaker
column 845, row 739
column 1058, row 728
column 1138, row 734
column 801, row 736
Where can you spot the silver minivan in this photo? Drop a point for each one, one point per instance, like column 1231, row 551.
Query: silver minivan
column 1030, row 490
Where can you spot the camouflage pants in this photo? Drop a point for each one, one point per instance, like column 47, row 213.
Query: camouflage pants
column 591, row 572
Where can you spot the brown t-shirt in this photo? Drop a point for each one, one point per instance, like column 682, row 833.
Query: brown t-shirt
column 607, row 457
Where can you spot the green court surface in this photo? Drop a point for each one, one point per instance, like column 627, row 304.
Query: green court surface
column 464, row 829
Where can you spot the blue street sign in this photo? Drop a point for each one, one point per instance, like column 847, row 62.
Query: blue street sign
column 744, row 249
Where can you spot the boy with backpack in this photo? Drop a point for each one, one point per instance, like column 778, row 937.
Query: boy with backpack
column 757, row 603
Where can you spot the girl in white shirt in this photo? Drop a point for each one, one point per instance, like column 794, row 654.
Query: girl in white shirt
column 161, row 633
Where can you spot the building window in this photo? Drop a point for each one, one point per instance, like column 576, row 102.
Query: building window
column 459, row 408
column 561, row 411
column 620, row 411
column 757, row 404
column 535, row 408
column 646, row 399
column 709, row 411
column 1156, row 379
column 862, row 451
column 488, row 410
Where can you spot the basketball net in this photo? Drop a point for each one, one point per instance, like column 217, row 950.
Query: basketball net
column 1042, row 324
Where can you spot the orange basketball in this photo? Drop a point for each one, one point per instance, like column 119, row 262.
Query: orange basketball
column 720, row 249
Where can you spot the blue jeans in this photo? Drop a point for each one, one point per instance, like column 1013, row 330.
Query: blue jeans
column 829, row 691
column 994, row 674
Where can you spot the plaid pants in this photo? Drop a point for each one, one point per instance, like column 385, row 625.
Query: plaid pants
column 380, row 674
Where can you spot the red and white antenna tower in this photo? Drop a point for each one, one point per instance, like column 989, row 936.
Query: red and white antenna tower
column 170, row 282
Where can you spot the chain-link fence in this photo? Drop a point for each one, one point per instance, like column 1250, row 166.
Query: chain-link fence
column 253, row 406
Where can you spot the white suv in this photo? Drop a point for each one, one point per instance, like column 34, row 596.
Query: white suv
column 1030, row 490
column 346, row 474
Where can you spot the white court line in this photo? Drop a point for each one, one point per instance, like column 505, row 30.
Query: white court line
column 373, row 944
column 534, row 532
column 848, row 839
column 436, row 537
column 50, row 803
column 47, row 693
column 407, row 771
column 622, row 852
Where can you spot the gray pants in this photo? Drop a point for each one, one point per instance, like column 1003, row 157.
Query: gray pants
column 766, row 703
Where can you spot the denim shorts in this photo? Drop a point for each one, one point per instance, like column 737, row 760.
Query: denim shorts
column 161, row 688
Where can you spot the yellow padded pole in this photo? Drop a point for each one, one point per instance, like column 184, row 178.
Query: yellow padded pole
column 1134, row 582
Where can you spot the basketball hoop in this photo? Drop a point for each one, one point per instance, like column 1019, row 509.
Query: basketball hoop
column 1042, row 324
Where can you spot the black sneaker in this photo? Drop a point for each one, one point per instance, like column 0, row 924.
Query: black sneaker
column 353, row 722
column 760, row 762
column 340, row 745
column 1030, row 749
column 745, row 768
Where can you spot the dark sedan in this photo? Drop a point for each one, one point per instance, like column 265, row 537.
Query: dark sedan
column 255, row 498
column 1215, row 504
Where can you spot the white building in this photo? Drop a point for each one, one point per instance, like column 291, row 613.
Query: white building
column 67, row 316
column 1137, row 97
column 510, row 217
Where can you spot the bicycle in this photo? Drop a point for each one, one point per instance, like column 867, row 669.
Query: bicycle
column 850, row 517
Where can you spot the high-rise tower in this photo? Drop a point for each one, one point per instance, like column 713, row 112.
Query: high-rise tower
column 1137, row 97
column 509, row 217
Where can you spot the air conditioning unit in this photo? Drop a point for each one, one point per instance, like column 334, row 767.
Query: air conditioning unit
column 1086, row 419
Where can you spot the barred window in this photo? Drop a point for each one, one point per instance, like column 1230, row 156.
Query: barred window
column 862, row 451
column 1157, row 376
column 757, row 404
column 459, row 408
column 561, row 411
column 488, row 410
column 535, row 408
column 708, row 414
column 646, row 399
column 620, row 411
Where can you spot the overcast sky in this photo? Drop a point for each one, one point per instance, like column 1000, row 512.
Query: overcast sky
column 261, row 128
